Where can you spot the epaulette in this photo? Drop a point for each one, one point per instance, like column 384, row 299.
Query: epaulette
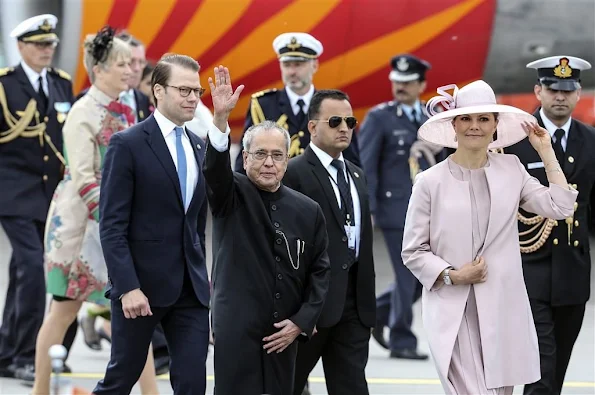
column 60, row 73
column 384, row 105
column 5, row 71
column 264, row 92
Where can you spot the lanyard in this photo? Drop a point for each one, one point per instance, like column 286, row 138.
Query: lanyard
column 344, row 198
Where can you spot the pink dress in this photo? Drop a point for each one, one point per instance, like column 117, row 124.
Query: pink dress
column 466, row 372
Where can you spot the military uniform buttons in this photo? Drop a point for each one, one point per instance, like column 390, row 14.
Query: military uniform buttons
column 46, row 158
column 279, row 276
column 45, row 177
column 277, row 295
column 275, row 314
column 389, row 194
column 555, row 242
column 576, row 243
column 301, row 150
column 301, row 133
column 401, row 142
column 276, row 224
column 344, row 266
column 555, row 223
column 46, row 119
column 570, row 159
column 277, row 258
column 278, row 241
column 574, row 186
column 273, row 207
column 576, row 223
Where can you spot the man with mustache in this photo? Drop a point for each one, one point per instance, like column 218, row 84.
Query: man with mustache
column 387, row 141
column 298, row 55
column 34, row 102
column 557, row 267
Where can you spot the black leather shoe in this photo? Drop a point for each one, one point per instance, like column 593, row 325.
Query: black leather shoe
column 161, row 365
column 408, row 353
column 378, row 334
column 25, row 373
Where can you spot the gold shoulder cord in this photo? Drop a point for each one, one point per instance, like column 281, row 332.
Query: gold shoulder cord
column 256, row 111
column 20, row 127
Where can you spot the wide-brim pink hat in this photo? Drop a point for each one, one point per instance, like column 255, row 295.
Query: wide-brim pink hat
column 475, row 98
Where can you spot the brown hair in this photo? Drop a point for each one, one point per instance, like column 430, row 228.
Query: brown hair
column 162, row 71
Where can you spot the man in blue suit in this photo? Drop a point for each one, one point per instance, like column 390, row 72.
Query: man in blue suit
column 153, row 214
column 391, row 156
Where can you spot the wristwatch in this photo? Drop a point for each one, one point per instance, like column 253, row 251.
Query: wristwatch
column 446, row 276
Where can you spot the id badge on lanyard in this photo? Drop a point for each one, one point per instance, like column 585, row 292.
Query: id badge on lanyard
column 350, row 232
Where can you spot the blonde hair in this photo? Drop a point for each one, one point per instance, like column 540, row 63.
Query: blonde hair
column 119, row 49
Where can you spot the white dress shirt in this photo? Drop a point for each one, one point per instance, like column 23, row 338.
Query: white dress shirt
column 168, row 129
column 326, row 160
column 549, row 125
column 294, row 97
column 34, row 78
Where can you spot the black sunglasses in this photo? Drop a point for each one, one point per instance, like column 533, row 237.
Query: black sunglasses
column 336, row 120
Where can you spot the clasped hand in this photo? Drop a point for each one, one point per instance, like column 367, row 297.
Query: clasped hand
column 279, row 341
column 470, row 273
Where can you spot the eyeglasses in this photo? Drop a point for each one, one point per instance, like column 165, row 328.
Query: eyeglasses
column 261, row 155
column 185, row 91
column 336, row 120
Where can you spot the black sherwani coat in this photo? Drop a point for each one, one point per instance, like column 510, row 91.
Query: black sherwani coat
column 259, row 278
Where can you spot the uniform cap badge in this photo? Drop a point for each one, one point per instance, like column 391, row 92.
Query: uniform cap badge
column 563, row 69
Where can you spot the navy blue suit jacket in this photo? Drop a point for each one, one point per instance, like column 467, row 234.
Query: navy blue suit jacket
column 147, row 238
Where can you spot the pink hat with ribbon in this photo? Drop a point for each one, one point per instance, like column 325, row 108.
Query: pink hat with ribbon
column 475, row 98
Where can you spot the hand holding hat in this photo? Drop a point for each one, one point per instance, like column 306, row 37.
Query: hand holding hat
column 539, row 137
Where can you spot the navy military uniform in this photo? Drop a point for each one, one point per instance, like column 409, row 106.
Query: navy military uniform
column 33, row 108
column 557, row 267
column 387, row 137
column 276, row 105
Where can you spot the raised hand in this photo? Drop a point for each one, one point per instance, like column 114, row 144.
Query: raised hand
column 224, row 98
column 539, row 137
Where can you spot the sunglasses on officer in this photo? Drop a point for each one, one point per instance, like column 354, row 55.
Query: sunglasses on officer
column 336, row 120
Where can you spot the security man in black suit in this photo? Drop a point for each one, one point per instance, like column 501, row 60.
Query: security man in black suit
column 556, row 259
column 388, row 143
column 339, row 187
column 298, row 58
column 34, row 102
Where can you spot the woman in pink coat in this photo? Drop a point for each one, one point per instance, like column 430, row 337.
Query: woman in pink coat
column 461, row 240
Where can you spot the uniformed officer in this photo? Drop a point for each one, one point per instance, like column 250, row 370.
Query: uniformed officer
column 34, row 103
column 298, row 58
column 556, row 259
column 387, row 138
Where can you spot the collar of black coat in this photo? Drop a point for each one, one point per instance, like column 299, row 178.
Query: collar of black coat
column 268, row 196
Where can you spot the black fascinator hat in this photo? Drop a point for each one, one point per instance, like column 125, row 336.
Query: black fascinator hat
column 102, row 44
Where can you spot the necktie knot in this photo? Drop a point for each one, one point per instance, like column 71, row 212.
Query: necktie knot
column 179, row 131
column 558, row 134
column 337, row 164
column 301, row 104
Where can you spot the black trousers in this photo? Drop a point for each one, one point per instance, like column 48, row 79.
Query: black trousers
column 344, row 349
column 557, row 330
column 25, row 298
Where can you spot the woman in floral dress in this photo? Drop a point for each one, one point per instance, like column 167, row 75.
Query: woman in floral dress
column 76, row 270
